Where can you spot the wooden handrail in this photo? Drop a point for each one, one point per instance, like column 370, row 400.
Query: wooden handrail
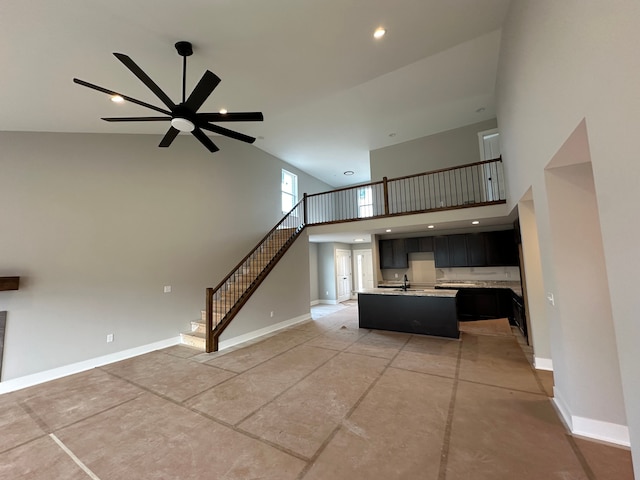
column 230, row 309
column 351, row 187
column 264, row 239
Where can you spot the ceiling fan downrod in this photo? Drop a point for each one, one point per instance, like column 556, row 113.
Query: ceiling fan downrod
column 185, row 49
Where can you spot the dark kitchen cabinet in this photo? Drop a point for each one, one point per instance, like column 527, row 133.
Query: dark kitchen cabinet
column 484, row 303
column 501, row 248
column 393, row 254
column 412, row 245
column 458, row 256
column 425, row 244
column 441, row 252
column 519, row 315
column 476, row 250
column 486, row 249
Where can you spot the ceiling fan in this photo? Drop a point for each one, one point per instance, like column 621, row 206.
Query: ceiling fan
column 184, row 117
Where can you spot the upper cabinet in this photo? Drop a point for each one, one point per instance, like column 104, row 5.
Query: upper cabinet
column 393, row 254
column 487, row 249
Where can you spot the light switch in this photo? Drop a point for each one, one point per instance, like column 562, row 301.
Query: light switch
column 550, row 298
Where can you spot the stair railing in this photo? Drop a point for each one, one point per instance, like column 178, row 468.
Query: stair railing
column 471, row 185
column 225, row 300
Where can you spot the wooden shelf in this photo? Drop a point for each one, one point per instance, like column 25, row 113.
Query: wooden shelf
column 9, row 283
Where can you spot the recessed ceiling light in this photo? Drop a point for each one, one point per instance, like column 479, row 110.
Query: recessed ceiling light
column 358, row 239
column 431, row 226
column 475, row 222
column 393, row 134
column 480, row 110
column 349, row 172
column 117, row 99
column 388, row 230
column 223, row 111
column 379, row 33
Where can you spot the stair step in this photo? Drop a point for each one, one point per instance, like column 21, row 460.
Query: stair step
column 193, row 339
column 198, row 327
column 203, row 317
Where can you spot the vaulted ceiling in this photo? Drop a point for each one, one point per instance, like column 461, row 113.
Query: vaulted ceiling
column 329, row 91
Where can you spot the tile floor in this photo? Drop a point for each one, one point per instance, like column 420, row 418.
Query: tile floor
column 322, row 400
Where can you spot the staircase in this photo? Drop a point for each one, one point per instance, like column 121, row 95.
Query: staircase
column 225, row 301
column 471, row 185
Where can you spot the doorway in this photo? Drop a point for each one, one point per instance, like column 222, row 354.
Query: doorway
column 343, row 274
column 363, row 270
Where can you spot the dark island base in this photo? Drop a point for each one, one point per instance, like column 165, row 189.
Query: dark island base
column 426, row 315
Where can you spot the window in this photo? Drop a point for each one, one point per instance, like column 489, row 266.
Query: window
column 365, row 202
column 289, row 191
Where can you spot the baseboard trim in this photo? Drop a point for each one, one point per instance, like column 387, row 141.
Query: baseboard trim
column 543, row 363
column 231, row 342
column 563, row 409
column 589, row 428
column 328, row 302
column 55, row 373
column 599, row 430
column 315, row 302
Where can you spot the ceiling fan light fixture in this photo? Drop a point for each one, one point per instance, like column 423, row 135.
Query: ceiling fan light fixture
column 182, row 124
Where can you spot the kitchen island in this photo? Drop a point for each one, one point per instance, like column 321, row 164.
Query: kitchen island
column 424, row 311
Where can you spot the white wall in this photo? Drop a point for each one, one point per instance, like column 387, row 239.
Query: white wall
column 560, row 63
column 96, row 225
column 441, row 150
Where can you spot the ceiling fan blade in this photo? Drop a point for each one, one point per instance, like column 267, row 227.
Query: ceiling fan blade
column 136, row 119
column 206, row 141
column 231, row 117
column 227, row 133
column 169, row 137
column 112, row 93
column 151, row 85
column 205, row 86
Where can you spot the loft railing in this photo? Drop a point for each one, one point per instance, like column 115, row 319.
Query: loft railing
column 470, row 185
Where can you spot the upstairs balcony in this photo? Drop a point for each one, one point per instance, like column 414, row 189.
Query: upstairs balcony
column 472, row 185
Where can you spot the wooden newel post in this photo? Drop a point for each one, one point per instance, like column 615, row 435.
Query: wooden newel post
column 209, row 346
column 304, row 208
column 385, row 186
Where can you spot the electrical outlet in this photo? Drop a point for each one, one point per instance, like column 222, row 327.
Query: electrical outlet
column 167, row 289
column 271, row 314
column 395, row 275
column 327, row 293
column 110, row 338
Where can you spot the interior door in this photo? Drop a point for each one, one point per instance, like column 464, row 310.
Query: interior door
column 490, row 150
column 343, row 274
column 363, row 269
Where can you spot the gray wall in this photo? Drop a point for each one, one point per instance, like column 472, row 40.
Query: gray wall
column 441, row 150
column 562, row 64
column 327, row 269
column 96, row 225
column 314, row 290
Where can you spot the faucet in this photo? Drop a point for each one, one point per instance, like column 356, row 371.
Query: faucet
column 405, row 283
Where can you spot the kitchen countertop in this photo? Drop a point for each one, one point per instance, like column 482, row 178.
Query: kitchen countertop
column 413, row 292
column 456, row 285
